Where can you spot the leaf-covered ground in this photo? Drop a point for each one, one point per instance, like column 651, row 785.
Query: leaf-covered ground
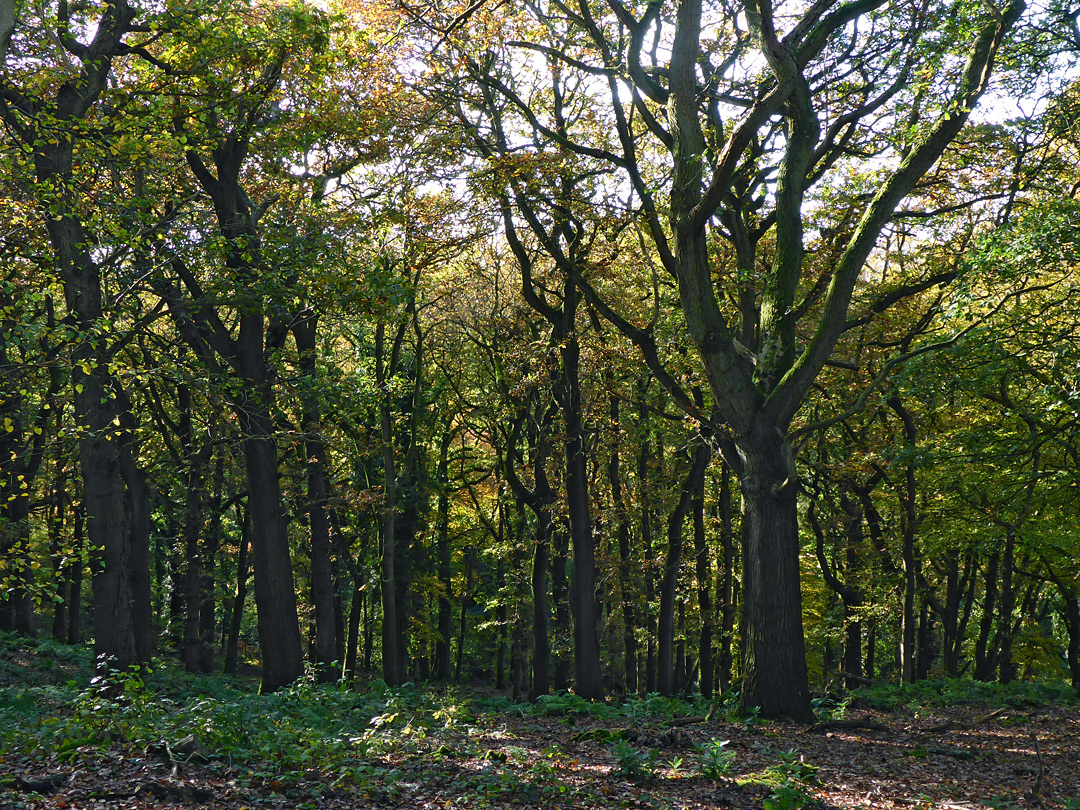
column 173, row 741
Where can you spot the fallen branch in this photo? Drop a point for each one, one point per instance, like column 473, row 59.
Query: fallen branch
column 867, row 723
column 1036, row 789
column 851, row 676
column 955, row 753
column 43, row 786
column 956, row 725
column 679, row 722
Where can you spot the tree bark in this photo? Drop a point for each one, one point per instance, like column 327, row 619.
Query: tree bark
column 727, row 589
column 704, row 593
column 622, row 531
column 232, row 638
column 774, row 661
column 442, row 544
column 325, row 655
column 666, row 621
column 588, row 677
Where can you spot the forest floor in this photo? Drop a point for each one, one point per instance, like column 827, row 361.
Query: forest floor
column 170, row 740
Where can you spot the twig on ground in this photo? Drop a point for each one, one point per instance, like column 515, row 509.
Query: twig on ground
column 957, row 725
column 867, row 723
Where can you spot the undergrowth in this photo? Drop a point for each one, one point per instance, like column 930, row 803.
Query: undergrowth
column 959, row 691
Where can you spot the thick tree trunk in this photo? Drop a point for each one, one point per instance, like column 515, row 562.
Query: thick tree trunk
column 275, row 591
column 108, row 531
column 927, row 652
column 774, row 673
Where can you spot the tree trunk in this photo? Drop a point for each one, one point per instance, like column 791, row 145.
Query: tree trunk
column 194, row 517
column 704, row 593
column 644, row 462
column 622, row 531
column 588, row 677
column 232, row 639
column 908, row 618
column 62, row 557
column 442, row 544
column 1071, row 614
column 774, row 660
column 560, row 544
column 211, row 544
column 728, row 606
column 275, row 591
column 1006, row 665
column 952, row 632
column 927, row 652
column 322, row 581
column 666, row 622
column 985, row 660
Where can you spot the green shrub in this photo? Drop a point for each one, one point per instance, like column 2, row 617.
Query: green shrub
column 715, row 759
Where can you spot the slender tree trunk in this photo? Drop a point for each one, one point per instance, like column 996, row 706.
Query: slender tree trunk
column 211, row 544
column 927, row 652
column 704, row 593
column 728, row 606
column 644, row 464
column 74, row 596
column 588, row 677
column 466, row 602
column 61, row 556
column 442, row 544
column 194, row 517
column 666, row 622
column 561, row 546
column 952, row 636
column 1006, row 665
column 539, row 582
column 985, row 662
column 232, row 639
column 908, row 619
column 622, row 531
column 501, row 636
column 356, row 612
column 305, row 333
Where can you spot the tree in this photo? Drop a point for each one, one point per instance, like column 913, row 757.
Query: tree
column 48, row 98
column 722, row 139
